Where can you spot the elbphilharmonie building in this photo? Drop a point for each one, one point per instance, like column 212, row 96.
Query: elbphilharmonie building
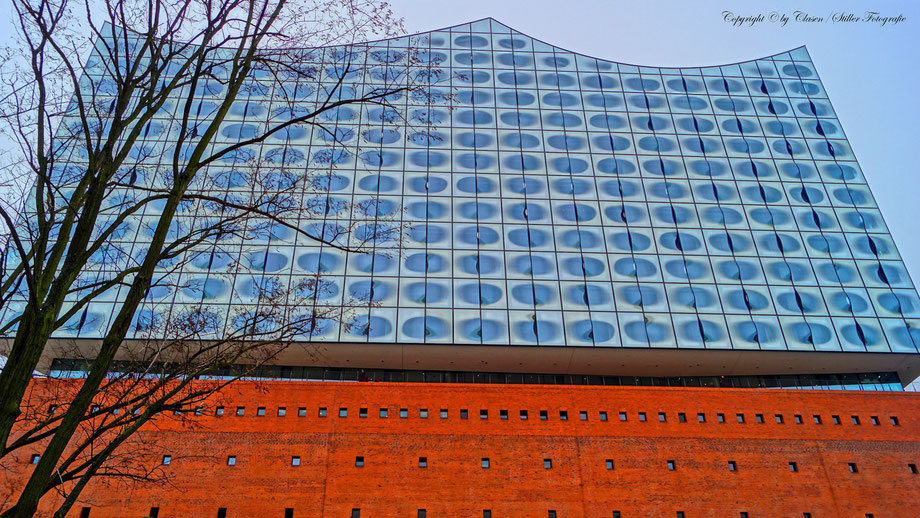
column 517, row 213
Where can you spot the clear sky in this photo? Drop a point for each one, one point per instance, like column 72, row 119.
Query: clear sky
column 871, row 72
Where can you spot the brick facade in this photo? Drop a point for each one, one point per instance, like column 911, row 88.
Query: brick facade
column 327, row 482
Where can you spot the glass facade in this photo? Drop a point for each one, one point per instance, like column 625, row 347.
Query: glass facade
column 547, row 198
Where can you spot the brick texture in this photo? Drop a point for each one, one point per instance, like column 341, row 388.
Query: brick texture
column 327, row 483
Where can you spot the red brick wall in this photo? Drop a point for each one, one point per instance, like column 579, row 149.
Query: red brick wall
column 327, row 483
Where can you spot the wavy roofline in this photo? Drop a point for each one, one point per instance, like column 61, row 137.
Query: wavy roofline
column 515, row 31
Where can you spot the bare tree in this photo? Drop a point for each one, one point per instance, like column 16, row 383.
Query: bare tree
column 135, row 121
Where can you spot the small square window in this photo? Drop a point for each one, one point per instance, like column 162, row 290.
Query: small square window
column 486, row 513
column 544, row 415
column 616, row 514
column 642, row 417
column 732, row 466
column 583, row 415
column 854, row 419
column 671, row 465
column 404, row 413
column 874, row 419
column 483, row 413
column 464, row 413
column 701, row 417
column 84, row 513
column 662, row 417
column 720, row 418
column 443, row 413
column 289, row 512
column 680, row 514
column 503, row 414
column 894, row 421
column 302, row 412
column 779, row 418
column 798, row 419
column 743, row 515
column 260, row 411
column 221, row 512
column 681, row 417
column 551, row 514
column 219, row 411
column 622, row 416
column 423, row 413
column 154, row 512
column 423, row 462
column 167, row 459
column 603, row 416
column 912, row 468
column 759, row 418
column 835, row 419
column 563, row 415
column 362, row 412
column 343, row 412
column 609, row 463
column 295, row 461
column 35, row 457
column 740, row 418
column 547, row 463
column 817, row 419
column 524, row 415
column 870, row 515
column 485, row 462
column 356, row 513
column 282, row 411
column 240, row 410
column 853, row 468
column 359, row 461
column 231, row 460
column 806, row 515
column 793, row 467
column 322, row 411
column 422, row 513
column 383, row 413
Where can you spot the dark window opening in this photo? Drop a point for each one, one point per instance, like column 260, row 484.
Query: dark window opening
column 563, row 415
column 609, row 463
column 642, row 417
column 894, row 421
column 289, row 512
column 362, row 412
column 583, row 415
column 720, row 418
column 547, row 464
column 503, row 414
column 222, row 512
column 423, row 462
column 464, row 413
column 671, row 465
column 443, row 413
column 759, row 418
column 662, row 417
column 793, row 467
column 912, row 468
column 681, row 417
column 384, row 412
column 84, row 513
column 403, row 413
column 485, row 462
column 359, row 462
column 732, row 466
column 853, row 468
column 701, row 417
column 622, row 416
column 544, row 415
column 154, row 512
column 322, row 411
column 343, row 412
column 260, row 411
column 835, row 419
column 603, row 416
column 524, row 415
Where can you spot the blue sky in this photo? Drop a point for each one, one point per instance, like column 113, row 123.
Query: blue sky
column 871, row 73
